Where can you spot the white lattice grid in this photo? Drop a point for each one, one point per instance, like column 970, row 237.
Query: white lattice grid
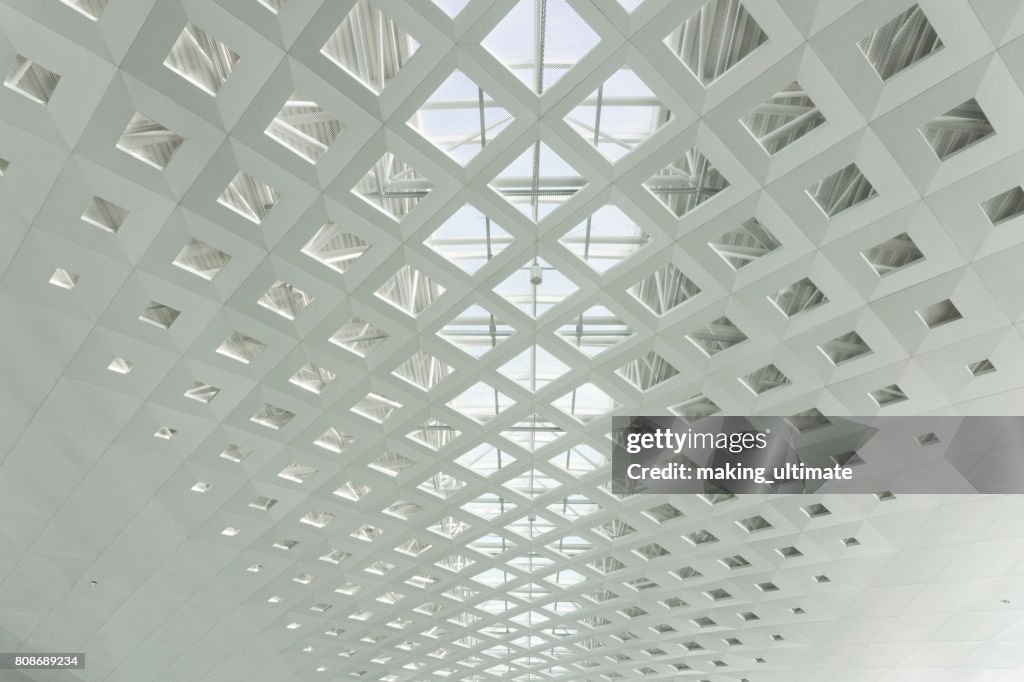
column 88, row 491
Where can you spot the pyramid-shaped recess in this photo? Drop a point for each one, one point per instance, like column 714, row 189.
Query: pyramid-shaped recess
column 369, row 45
column 605, row 239
column 540, row 41
column 619, row 115
column 715, row 38
column 410, row 291
column 305, row 128
column 538, row 181
column 393, row 186
column 460, row 118
column 536, row 299
column 469, row 239
column 481, row 402
column 686, row 183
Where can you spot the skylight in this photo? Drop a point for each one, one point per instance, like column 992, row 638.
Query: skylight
column 201, row 59
column 605, row 239
column 370, row 46
column 248, row 197
column 305, row 128
column 619, row 115
column 393, row 186
column 900, row 42
column 686, row 183
column 538, row 181
column 32, row 80
column 469, row 239
column 714, row 39
column 149, row 142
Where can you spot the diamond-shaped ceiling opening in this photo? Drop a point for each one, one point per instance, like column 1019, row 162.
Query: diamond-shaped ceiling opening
column 842, row 190
column 305, row 128
column 619, row 115
column 798, row 297
column 765, row 379
column 370, row 46
column 664, row 290
column 393, row 186
column 476, row 330
column 149, row 142
column 538, row 181
column 460, row 118
column 91, row 9
column 410, row 291
column 540, row 41
column 783, row 119
column 104, row 214
column 481, row 402
column 893, row 255
column 533, row 433
column 469, row 239
column 311, row 378
column 1004, row 206
column 717, row 336
column 715, row 38
column 845, row 348
column 285, row 299
column 201, row 59
column 64, row 279
column 423, row 370
column 696, row 407
column 940, row 313
column 533, row 299
column 534, row 368
column 358, row 336
column 248, row 197
column 159, row 315
column 241, row 347
column 585, row 403
column 32, row 80
column 605, row 239
column 595, row 330
column 745, row 244
column 201, row 259
column 957, row 129
column 686, row 183
column 647, row 371
column 335, row 248
column 900, row 42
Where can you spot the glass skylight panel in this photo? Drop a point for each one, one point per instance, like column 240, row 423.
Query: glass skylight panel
column 696, row 407
column 297, row 473
column 485, row 460
column 272, row 417
column 783, row 119
column 434, row 434
column 334, row 440
column 798, row 297
column 900, row 42
column 595, row 330
column 201, row 59
column 92, row 9
column 605, row 239
column 533, row 433
column 539, row 42
column 423, row 370
column 765, row 379
column 149, row 142
column 481, row 402
column 745, row 244
column 469, row 239
column 391, row 463
column 311, row 378
column 410, row 291
column 664, row 290
column 159, row 315
column 241, row 347
column 580, row 460
column 201, row 259
column 538, row 181
column 686, row 183
column 718, row 335
column 1004, row 206
column 442, row 485
column 65, row 279
column 285, row 299
column 619, row 115
column 647, row 371
column 957, row 129
column 585, row 403
column 358, row 336
column 393, row 186
column 376, row 407
column 248, row 197
column 714, row 39
column 844, row 189
column 533, row 299
column 534, row 368
column 32, row 80
column 370, row 46
column 475, row 331
column 532, row 483
column 104, row 214
column 531, row 526
column 489, row 506
column 460, row 118
column 305, row 128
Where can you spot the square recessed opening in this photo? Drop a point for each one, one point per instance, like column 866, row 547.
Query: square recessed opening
column 1004, row 206
column 899, row 43
column 104, row 214
column 981, row 367
column 844, row 348
column 888, row 395
column 893, row 255
column 201, row 392
column 240, row 347
column 201, row 59
column 121, row 366
column 762, row 380
column 272, row 417
column 798, row 297
column 31, row 80
column 149, row 142
column 957, row 129
column 159, row 315
column 840, row 191
column 938, row 314
column 201, row 259
column 65, row 279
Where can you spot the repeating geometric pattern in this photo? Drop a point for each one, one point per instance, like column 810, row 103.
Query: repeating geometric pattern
column 315, row 312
